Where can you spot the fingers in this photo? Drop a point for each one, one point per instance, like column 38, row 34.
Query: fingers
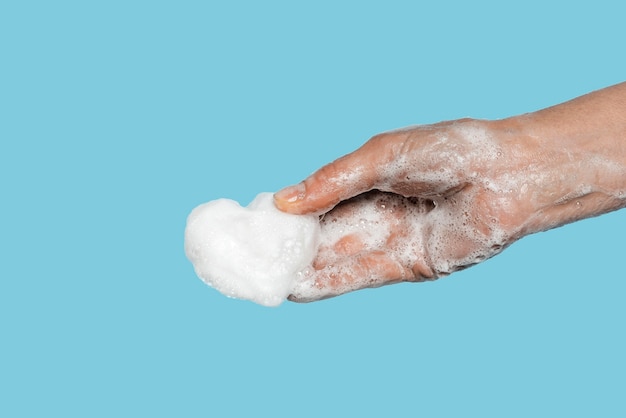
column 369, row 269
column 342, row 179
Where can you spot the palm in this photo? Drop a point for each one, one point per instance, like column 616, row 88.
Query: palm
column 380, row 238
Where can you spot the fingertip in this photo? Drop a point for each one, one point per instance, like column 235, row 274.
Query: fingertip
column 315, row 195
column 288, row 199
column 300, row 299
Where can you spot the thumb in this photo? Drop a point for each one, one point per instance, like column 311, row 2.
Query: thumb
column 346, row 177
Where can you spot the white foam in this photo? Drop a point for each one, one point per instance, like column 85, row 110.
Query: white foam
column 254, row 252
column 417, row 234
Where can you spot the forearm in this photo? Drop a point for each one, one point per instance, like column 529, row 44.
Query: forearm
column 571, row 159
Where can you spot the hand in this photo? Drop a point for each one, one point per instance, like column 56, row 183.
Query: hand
column 409, row 205
column 420, row 203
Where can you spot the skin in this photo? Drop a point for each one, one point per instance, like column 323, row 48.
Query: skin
column 450, row 195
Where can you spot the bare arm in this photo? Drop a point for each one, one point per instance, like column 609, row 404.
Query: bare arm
column 580, row 147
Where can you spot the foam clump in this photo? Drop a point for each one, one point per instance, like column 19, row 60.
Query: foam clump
column 255, row 252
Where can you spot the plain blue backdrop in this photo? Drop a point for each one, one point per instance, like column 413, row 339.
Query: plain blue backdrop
column 118, row 117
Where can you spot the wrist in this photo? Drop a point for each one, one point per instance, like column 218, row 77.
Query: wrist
column 564, row 171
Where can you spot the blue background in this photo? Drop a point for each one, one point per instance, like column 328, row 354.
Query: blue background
column 118, row 117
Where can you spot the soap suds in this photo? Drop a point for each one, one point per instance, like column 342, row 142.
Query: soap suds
column 254, row 252
column 365, row 237
column 450, row 227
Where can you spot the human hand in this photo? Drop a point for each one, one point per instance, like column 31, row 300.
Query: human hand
column 409, row 205
column 422, row 202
